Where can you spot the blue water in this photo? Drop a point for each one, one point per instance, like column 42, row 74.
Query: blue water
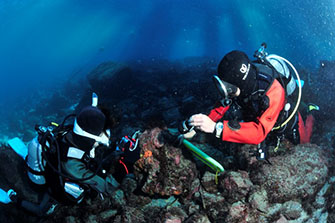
column 44, row 43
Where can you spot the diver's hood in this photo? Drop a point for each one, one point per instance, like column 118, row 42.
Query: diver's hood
column 237, row 69
column 92, row 119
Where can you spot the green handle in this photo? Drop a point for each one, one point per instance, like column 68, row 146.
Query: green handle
column 209, row 161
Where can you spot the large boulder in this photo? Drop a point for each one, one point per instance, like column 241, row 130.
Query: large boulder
column 298, row 174
column 163, row 168
column 111, row 79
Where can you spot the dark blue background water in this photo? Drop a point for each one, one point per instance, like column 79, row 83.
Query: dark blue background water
column 43, row 43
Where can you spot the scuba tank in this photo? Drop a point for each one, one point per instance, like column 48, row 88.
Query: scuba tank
column 32, row 155
column 35, row 162
column 282, row 68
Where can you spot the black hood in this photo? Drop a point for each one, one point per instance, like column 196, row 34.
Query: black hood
column 237, row 69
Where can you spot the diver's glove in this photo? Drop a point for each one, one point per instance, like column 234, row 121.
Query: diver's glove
column 109, row 158
column 186, row 129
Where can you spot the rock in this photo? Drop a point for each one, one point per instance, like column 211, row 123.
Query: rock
column 198, row 218
column 131, row 214
column 298, row 174
column 282, row 219
column 238, row 212
column 325, row 192
column 128, row 185
column 70, row 219
column 172, row 219
column 117, row 198
column 331, row 217
column 259, row 201
column 274, row 209
column 111, row 79
column 209, row 183
column 174, row 215
column 167, row 103
column 195, row 188
column 291, row 210
column 106, row 215
column 163, row 203
column 323, row 82
column 236, row 185
column 138, row 200
column 91, row 219
column 214, row 205
column 192, row 209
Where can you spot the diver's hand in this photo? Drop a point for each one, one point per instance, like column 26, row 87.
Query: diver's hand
column 202, row 122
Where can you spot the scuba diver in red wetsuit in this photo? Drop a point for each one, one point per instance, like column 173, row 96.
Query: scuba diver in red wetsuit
column 256, row 96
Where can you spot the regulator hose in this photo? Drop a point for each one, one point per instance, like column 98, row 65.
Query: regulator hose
column 299, row 93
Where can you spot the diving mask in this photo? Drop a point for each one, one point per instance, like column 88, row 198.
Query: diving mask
column 227, row 91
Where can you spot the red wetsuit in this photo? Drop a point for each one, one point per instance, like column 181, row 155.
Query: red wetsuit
column 255, row 133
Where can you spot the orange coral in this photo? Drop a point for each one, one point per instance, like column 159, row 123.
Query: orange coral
column 147, row 154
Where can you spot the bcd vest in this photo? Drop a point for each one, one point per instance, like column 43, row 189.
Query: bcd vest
column 253, row 106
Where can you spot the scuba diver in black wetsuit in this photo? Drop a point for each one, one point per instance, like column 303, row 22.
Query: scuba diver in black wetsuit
column 66, row 162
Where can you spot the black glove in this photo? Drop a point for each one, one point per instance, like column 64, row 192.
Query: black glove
column 110, row 157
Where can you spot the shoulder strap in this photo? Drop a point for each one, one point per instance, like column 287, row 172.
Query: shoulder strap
column 264, row 80
column 268, row 72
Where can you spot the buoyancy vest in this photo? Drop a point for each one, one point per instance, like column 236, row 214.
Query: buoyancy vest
column 257, row 102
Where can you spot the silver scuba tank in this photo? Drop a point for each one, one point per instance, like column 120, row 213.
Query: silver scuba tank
column 282, row 68
column 35, row 162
